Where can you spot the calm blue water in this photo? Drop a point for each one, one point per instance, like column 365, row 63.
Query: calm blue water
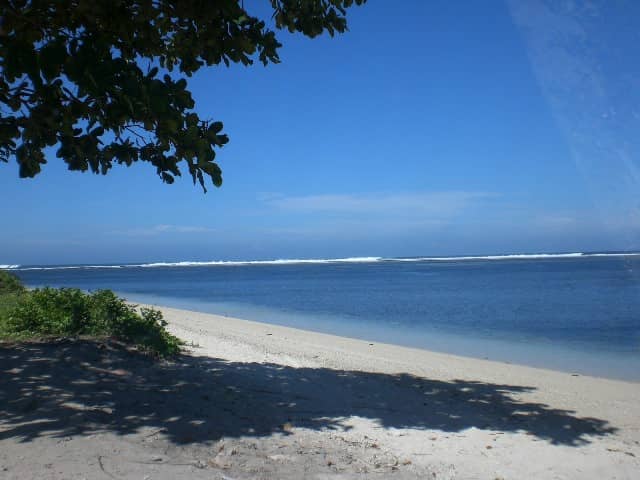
column 579, row 314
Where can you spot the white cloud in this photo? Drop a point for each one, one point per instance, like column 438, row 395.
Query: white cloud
column 432, row 204
column 182, row 229
column 557, row 221
column 161, row 229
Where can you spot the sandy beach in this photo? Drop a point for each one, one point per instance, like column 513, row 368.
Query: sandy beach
column 257, row 401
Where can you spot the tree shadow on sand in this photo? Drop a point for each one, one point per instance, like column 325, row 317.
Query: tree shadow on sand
column 73, row 387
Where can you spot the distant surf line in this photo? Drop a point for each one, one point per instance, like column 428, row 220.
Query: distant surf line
column 316, row 261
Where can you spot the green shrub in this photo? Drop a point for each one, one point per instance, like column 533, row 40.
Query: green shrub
column 11, row 289
column 9, row 283
column 70, row 312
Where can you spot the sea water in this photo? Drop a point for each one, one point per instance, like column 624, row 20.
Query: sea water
column 572, row 312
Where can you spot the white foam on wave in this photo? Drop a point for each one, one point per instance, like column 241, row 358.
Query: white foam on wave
column 299, row 261
column 69, row 267
column 282, row 261
column 612, row 254
column 517, row 256
column 526, row 256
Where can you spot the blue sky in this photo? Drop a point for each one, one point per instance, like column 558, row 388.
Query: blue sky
column 431, row 128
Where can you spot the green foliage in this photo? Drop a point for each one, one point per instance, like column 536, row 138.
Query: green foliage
column 9, row 283
column 101, row 80
column 70, row 312
column 11, row 289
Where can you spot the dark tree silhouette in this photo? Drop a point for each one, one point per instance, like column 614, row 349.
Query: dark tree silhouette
column 103, row 80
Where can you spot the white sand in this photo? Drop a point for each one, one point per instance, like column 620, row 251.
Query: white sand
column 459, row 450
column 266, row 402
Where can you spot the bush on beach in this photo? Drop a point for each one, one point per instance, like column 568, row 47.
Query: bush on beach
column 11, row 289
column 10, row 284
column 71, row 312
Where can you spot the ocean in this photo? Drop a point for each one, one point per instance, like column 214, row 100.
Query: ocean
column 572, row 312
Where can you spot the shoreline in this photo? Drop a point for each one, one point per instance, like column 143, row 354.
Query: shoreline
column 578, row 323
column 252, row 339
column 475, row 355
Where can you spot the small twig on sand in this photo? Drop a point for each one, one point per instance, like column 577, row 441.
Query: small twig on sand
column 102, row 468
column 159, row 430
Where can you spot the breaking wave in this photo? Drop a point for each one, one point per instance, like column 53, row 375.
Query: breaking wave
column 299, row 261
column 525, row 256
column 283, row 261
column 213, row 263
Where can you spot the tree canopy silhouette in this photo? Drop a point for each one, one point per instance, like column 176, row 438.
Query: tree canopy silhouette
column 103, row 80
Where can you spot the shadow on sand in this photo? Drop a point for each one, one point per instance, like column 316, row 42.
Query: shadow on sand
column 72, row 387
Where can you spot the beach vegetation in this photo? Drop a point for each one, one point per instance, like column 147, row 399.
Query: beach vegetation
column 104, row 82
column 70, row 312
column 10, row 284
column 11, row 289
